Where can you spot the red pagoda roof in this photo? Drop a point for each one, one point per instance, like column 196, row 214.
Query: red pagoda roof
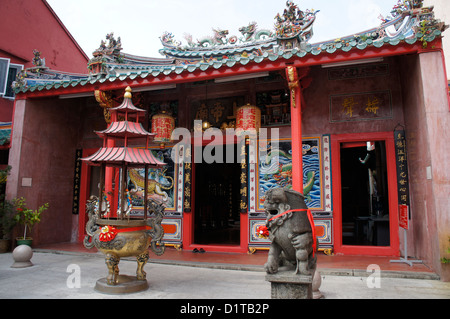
column 125, row 129
column 127, row 105
column 123, row 155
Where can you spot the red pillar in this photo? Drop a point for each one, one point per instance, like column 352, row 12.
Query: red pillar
column 111, row 174
column 293, row 78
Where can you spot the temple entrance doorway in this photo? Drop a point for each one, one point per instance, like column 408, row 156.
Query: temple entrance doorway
column 365, row 206
column 365, row 194
column 216, row 208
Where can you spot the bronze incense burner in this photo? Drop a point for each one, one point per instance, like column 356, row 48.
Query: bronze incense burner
column 114, row 231
column 118, row 238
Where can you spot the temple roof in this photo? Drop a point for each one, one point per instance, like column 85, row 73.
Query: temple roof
column 5, row 133
column 409, row 23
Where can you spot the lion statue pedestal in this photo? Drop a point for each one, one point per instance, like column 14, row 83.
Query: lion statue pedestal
column 287, row 285
column 291, row 262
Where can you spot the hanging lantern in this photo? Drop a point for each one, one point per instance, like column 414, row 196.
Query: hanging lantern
column 248, row 120
column 163, row 125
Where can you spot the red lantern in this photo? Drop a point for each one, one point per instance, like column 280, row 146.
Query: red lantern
column 248, row 120
column 162, row 125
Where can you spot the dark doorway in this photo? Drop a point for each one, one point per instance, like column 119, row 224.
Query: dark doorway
column 217, row 197
column 365, row 207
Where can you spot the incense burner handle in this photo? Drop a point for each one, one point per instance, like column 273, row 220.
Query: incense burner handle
column 156, row 231
column 91, row 225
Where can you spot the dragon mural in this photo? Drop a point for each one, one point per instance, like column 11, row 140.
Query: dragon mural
column 160, row 186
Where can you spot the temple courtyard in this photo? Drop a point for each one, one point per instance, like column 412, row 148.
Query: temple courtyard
column 72, row 275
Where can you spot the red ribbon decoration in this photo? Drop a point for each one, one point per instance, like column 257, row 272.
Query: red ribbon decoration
column 311, row 221
column 108, row 233
column 263, row 232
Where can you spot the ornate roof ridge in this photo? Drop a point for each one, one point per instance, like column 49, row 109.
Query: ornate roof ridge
column 145, row 60
column 409, row 22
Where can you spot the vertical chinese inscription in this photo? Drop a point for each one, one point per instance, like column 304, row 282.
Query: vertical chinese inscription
column 402, row 167
column 327, row 173
column 243, row 179
column 77, row 182
column 187, row 187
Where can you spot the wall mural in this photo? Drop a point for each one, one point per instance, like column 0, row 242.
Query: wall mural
column 275, row 170
column 161, row 184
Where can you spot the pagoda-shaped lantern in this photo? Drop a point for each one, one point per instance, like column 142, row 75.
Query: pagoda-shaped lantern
column 123, row 236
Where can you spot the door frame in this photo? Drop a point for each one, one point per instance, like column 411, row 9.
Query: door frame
column 336, row 141
column 189, row 217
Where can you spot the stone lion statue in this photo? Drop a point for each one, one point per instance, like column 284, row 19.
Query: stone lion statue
column 290, row 232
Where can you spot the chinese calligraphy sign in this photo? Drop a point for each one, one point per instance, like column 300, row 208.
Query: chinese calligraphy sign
column 361, row 106
column 77, row 182
column 402, row 177
column 402, row 167
column 216, row 111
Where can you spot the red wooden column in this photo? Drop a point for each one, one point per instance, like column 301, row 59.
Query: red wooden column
column 293, row 77
column 110, row 178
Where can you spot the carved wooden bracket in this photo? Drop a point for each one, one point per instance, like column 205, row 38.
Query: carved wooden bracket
column 106, row 101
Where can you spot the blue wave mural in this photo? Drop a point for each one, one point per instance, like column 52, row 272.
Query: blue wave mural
column 275, row 170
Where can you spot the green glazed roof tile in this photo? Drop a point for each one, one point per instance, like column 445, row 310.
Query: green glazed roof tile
column 189, row 59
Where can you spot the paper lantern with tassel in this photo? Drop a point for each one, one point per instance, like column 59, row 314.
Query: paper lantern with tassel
column 163, row 125
column 248, row 120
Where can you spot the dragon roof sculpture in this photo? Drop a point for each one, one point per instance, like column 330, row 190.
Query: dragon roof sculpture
column 293, row 23
column 408, row 22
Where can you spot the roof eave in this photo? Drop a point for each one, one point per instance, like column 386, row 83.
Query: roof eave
column 217, row 69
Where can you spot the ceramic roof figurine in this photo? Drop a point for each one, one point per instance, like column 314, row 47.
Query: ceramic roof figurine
column 408, row 23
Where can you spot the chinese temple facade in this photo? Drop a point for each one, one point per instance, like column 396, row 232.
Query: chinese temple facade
column 358, row 124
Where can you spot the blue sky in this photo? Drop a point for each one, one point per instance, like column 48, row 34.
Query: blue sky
column 140, row 23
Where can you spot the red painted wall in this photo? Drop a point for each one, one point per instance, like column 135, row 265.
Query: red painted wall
column 44, row 132
column 316, row 112
column 26, row 25
column 427, row 120
column 6, row 110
